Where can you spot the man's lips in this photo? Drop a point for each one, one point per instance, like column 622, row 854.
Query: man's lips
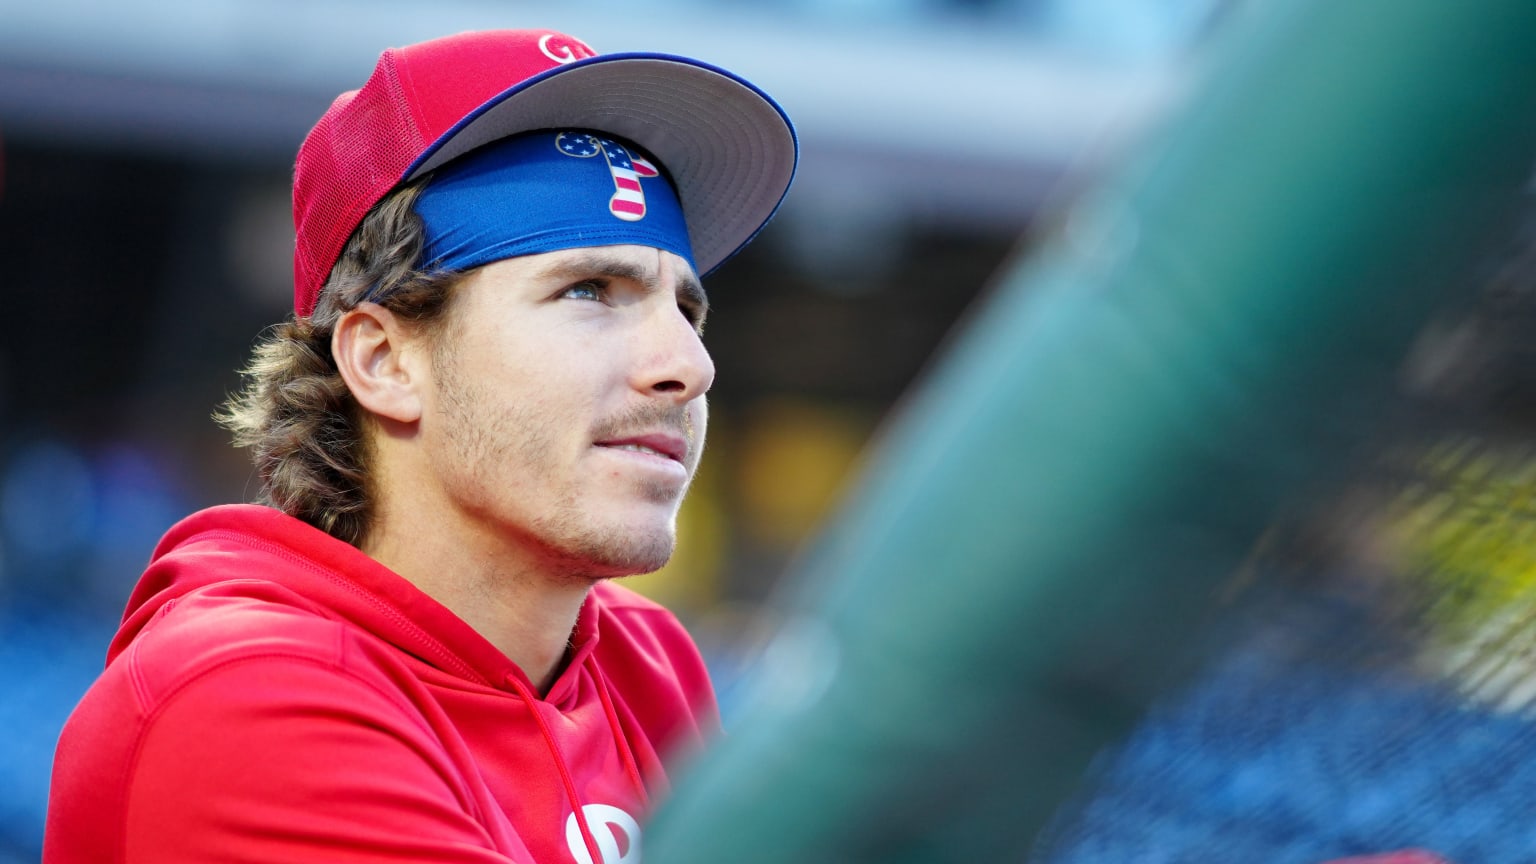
column 665, row 445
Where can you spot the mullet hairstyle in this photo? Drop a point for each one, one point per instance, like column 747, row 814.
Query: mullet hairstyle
column 305, row 430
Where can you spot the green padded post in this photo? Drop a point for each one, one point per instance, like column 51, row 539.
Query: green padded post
column 1048, row 514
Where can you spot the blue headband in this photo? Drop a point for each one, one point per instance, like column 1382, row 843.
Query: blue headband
column 544, row 191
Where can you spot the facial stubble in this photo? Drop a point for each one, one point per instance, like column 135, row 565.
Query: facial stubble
column 484, row 437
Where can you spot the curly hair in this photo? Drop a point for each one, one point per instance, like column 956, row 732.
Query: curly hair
column 304, row 428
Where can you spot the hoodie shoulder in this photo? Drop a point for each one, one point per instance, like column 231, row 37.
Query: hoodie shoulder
column 228, row 558
column 230, row 621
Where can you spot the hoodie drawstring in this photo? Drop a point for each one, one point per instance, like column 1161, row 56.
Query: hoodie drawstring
column 565, row 773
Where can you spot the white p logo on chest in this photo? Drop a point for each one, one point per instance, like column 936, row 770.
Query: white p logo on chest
column 617, row 835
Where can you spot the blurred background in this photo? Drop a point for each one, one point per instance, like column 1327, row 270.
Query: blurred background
column 145, row 155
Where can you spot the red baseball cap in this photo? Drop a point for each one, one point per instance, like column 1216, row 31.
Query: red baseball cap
column 729, row 148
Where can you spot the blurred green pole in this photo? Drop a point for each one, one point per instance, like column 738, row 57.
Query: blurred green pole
column 1053, row 507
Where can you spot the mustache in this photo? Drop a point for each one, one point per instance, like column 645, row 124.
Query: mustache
column 648, row 418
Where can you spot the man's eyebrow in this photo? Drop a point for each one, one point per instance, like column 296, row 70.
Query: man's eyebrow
column 689, row 288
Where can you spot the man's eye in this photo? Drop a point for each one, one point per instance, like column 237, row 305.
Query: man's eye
column 583, row 291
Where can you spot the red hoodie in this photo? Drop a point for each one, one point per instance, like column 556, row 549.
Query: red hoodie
column 276, row 695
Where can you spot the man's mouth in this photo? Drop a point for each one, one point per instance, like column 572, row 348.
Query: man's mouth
column 663, row 445
column 638, row 448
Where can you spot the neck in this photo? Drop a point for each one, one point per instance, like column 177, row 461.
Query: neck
column 527, row 611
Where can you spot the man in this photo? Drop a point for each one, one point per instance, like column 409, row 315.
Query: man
column 490, row 400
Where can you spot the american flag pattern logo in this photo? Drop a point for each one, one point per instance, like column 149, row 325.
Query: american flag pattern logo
column 628, row 201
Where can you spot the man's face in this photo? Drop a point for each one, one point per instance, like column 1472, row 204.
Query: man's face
column 568, row 411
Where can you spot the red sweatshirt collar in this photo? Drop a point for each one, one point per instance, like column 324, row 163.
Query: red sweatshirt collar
column 251, row 542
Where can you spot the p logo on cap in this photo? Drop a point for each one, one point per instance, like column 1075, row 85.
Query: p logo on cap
column 543, row 191
column 628, row 201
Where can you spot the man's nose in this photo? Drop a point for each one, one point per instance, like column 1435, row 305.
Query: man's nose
column 676, row 364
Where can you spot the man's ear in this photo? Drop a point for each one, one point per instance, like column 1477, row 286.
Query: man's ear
column 383, row 365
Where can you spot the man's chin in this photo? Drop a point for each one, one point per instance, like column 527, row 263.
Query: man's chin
column 617, row 554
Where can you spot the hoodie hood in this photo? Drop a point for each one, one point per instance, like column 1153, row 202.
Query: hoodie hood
column 269, row 551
